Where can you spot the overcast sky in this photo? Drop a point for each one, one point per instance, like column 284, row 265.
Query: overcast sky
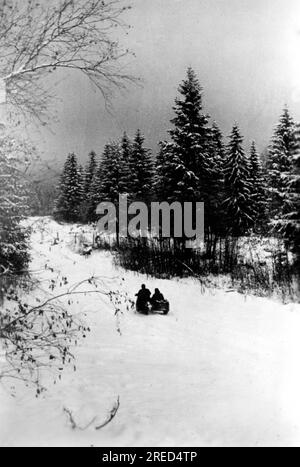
column 246, row 54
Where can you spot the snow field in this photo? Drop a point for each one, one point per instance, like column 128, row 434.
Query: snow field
column 222, row 369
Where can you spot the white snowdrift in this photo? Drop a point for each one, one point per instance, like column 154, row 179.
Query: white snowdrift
column 221, row 369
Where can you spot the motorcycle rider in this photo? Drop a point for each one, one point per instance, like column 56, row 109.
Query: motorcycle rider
column 143, row 298
column 156, row 298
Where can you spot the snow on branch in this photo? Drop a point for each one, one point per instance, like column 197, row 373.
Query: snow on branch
column 39, row 38
column 38, row 337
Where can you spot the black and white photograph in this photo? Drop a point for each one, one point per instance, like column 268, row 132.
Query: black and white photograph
column 149, row 225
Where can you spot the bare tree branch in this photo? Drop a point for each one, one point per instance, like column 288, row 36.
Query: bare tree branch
column 111, row 416
column 73, row 423
column 39, row 38
column 40, row 336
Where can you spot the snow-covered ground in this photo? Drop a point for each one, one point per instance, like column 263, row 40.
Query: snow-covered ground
column 221, row 369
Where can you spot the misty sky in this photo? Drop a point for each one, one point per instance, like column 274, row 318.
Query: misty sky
column 246, row 54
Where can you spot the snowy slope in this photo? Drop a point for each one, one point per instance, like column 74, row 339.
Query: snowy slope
column 221, row 369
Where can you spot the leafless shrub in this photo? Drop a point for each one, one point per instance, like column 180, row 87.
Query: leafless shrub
column 41, row 337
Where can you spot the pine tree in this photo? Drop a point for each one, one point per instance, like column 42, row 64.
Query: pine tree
column 216, row 148
column 279, row 163
column 90, row 172
column 95, row 193
column 238, row 203
column 141, row 167
column 258, row 189
column 70, row 191
column 112, row 181
column 288, row 225
column 113, row 177
column 169, row 173
column 189, row 168
column 214, row 183
column 294, row 215
column 190, row 139
column 88, row 175
column 113, row 173
column 81, row 179
column 126, row 153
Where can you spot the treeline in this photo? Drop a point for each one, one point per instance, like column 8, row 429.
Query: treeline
column 125, row 167
column 241, row 195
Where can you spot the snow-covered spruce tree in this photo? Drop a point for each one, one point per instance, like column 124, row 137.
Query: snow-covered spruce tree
column 184, row 165
column 279, row 164
column 88, row 176
column 126, row 149
column 258, row 190
column 81, row 208
column 240, row 214
column 191, row 165
column 288, row 225
column 112, row 180
column 169, row 173
column 104, row 187
column 217, row 151
column 141, row 171
column 294, row 215
column 214, row 183
column 70, row 191
column 173, row 182
column 90, row 172
column 95, row 194
column 190, row 139
column 14, row 254
column 113, row 176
